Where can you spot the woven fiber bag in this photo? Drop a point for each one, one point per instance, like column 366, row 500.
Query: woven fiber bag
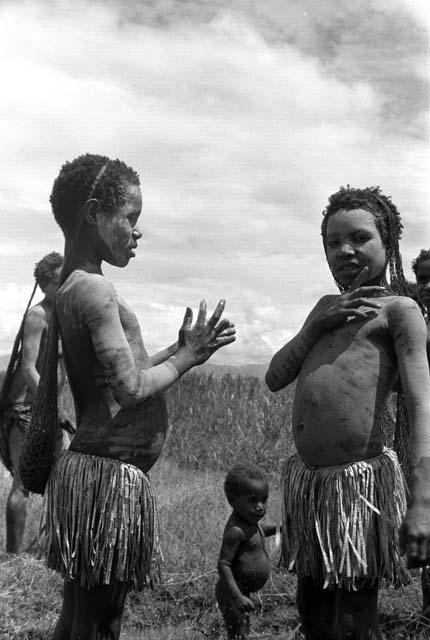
column 37, row 455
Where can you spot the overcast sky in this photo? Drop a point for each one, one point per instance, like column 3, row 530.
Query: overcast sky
column 241, row 118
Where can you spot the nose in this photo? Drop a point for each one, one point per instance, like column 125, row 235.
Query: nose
column 346, row 250
column 136, row 234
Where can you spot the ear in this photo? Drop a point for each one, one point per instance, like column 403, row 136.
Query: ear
column 91, row 208
column 230, row 498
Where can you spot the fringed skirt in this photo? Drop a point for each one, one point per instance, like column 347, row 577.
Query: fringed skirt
column 341, row 524
column 100, row 522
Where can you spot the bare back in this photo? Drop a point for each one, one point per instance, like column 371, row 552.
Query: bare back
column 341, row 390
column 102, row 344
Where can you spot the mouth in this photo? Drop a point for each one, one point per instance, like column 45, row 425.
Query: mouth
column 348, row 269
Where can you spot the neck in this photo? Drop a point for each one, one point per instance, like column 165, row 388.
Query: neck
column 79, row 254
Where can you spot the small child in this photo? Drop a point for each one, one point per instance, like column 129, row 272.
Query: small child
column 243, row 563
column 343, row 493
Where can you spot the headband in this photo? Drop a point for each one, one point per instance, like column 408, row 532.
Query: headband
column 96, row 181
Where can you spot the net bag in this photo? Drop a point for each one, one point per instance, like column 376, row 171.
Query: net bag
column 14, row 362
column 37, row 455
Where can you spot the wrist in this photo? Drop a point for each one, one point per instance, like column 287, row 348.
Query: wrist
column 183, row 360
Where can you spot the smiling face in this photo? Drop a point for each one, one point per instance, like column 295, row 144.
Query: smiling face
column 251, row 503
column 352, row 242
column 117, row 230
column 423, row 282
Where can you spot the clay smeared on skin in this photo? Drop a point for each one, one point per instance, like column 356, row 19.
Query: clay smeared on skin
column 114, row 372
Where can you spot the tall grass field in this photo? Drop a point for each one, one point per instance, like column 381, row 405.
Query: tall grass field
column 215, row 421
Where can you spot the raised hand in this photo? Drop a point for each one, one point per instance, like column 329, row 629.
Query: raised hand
column 205, row 337
column 334, row 310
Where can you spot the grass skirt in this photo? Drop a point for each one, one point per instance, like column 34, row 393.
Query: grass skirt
column 341, row 524
column 99, row 521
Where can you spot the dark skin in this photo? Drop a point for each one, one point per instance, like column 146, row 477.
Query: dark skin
column 346, row 358
column 243, row 564
column 24, row 390
column 423, row 293
column 114, row 380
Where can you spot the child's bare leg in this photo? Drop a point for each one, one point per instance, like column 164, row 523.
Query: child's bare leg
column 337, row 614
column 63, row 627
column 16, row 507
column 237, row 623
column 98, row 612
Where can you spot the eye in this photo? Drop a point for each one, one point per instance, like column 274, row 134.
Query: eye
column 332, row 243
column 361, row 237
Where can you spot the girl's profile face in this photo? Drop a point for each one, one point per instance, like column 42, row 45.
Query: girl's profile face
column 353, row 241
column 423, row 282
column 117, row 228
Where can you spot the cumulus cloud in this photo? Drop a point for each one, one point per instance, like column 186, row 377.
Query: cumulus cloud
column 240, row 126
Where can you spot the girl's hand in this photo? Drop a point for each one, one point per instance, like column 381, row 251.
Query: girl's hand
column 243, row 603
column 415, row 536
column 204, row 338
column 337, row 309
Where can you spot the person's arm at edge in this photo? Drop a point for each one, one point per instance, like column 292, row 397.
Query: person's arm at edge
column 409, row 333
column 164, row 354
column 35, row 323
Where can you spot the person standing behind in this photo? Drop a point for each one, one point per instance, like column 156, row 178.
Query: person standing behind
column 19, row 392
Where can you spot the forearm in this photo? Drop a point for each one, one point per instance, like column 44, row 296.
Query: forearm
column 419, row 452
column 164, row 354
column 141, row 384
column 32, row 378
column 287, row 362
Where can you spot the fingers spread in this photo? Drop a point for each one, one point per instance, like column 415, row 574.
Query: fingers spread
column 362, row 302
column 222, row 326
column 201, row 318
column 188, row 318
column 217, row 313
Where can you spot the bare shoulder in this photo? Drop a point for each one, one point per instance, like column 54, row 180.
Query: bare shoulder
column 36, row 318
column 88, row 290
column 233, row 534
column 398, row 307
column 403, row 314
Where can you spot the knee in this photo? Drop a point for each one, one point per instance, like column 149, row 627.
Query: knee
column 17, row 500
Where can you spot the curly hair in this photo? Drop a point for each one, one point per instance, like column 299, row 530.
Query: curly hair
column 387, row 221
column 87, row 176
column 423, row 255
column 44, row 269
column 237, row 476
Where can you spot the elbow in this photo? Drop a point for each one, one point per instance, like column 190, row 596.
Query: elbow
column 128, row 395
column 271, row 381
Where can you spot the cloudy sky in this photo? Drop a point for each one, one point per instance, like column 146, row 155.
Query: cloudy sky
column 241, row 118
